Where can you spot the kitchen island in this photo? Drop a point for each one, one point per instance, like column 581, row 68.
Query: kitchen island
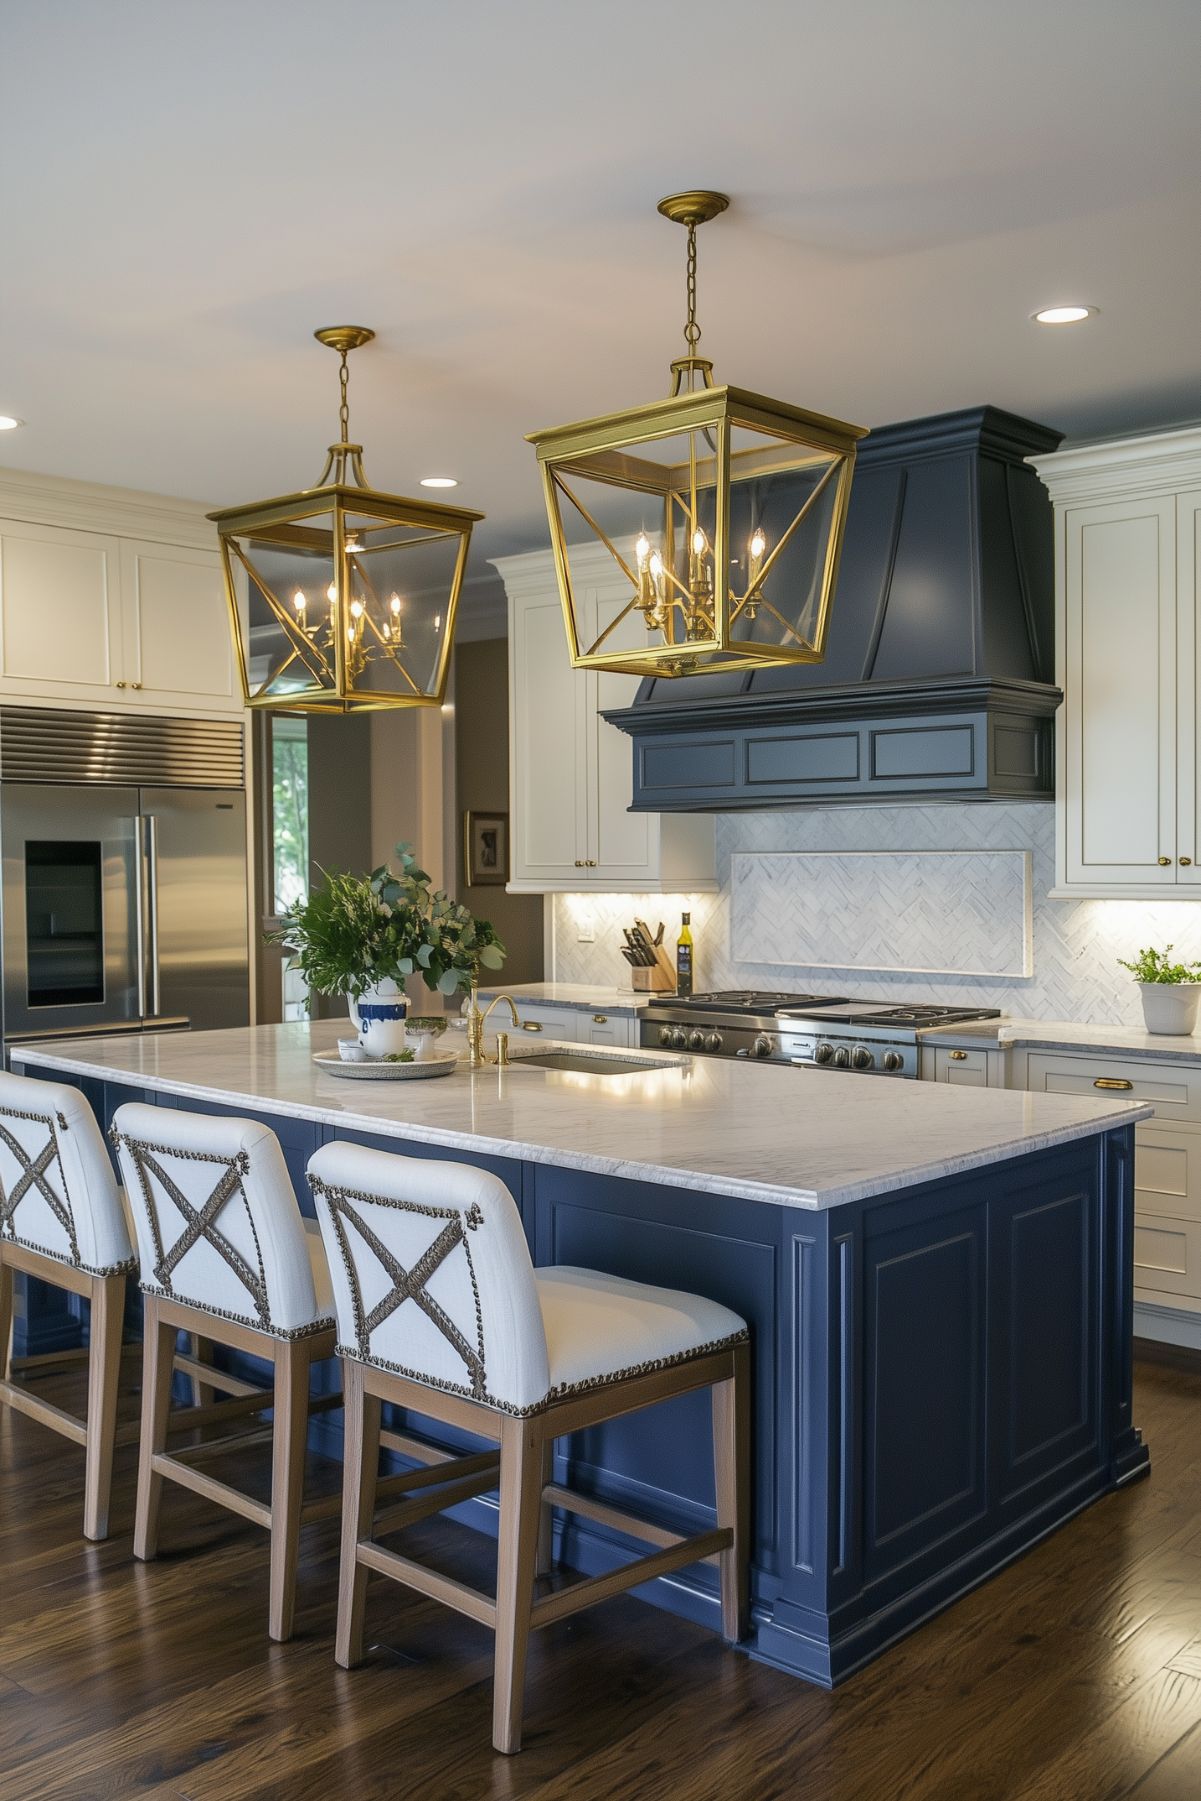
column 938, row 1283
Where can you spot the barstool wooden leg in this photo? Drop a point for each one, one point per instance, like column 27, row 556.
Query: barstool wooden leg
column 521, row 1443
column 158, row 1367
column 6, row 1316
column 546, row 1524
column 104, row 1373
column 201, row 1349
column 732, row 1479
column 360, row 1471
column 288, row 1435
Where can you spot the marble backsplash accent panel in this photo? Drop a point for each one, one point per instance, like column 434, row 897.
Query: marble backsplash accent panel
column 1076, row 943
column 885, row 910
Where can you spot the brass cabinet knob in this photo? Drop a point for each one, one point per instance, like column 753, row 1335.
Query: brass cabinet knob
column 120, row 684
column 600, row 1019
column 1164, row 861
column 135, row 684
column 1185, row 861
column 957, row 1056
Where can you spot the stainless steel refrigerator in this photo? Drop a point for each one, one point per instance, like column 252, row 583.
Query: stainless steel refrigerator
column 124, row 873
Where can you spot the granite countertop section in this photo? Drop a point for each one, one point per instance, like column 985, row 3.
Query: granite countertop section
column 789, row 1137
column 571, row 994
column 1063, row 1035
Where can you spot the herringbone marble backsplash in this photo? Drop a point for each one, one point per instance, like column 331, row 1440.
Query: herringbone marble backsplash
column 1076, row 944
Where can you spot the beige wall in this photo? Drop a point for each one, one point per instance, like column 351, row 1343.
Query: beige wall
column 482, row 784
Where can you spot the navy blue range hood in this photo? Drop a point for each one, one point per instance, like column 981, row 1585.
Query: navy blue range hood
column 938, row 678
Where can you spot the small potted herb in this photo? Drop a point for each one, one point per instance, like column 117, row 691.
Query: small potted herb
column 1170, row 991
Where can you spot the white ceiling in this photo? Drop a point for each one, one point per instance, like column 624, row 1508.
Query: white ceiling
column 187, row 191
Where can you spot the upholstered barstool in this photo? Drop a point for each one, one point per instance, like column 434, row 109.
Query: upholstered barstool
column 225, row 1255
column 61, row 1220
column 440, row 1310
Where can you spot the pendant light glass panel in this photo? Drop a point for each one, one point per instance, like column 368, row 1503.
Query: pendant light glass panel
column 727, row 531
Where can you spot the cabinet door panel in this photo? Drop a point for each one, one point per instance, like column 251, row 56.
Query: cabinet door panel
column 1119, row 779
column 177, row 636
column 60, row 620
column 1188, row 675
column 549, row 762
column 625, row 842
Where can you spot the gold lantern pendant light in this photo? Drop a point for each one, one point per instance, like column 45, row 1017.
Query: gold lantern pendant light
column 343, row 599
column 702, row 532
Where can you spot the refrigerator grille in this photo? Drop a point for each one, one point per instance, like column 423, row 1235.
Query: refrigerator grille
column 42, row 744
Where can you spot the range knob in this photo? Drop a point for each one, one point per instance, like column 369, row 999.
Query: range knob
column 861, row 1058
column 842, row 1057
column 678, row 1039
column 696, row 1041
column 893, row 1061
column 664, row 1034
column 761, row 1046
column 713, row 1041
column 824, row 1053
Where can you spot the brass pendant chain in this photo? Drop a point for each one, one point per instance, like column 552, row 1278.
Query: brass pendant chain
column 692, row 331
column 344, row 409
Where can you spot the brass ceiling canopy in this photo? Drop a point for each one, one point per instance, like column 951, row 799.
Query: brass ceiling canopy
column 723, row 513
column 342, row 598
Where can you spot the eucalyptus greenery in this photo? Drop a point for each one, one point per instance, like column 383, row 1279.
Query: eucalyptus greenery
column 360, row 930
column 1154, row 966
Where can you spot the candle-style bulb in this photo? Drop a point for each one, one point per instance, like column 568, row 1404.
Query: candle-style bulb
column 656, row 564
column 642, row 549
column 331, row 594
column 758, row 543
column 700, row 543
column 298, row 601
column 395, row 604
column 356, row 609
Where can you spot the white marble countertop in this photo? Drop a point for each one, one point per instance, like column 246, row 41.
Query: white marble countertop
column 791, row 1137
column 1064, row 1035
column 589, row 998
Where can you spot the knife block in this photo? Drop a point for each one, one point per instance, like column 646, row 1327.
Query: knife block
column 660, row 979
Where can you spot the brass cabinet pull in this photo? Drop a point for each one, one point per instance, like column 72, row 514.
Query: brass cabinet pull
column 1164, row 861
column 600, row 1019
column 530, row 1025
column 957, row 1056
column 579, row 862
column 1185, row 861
column 120, row 684
column 135, row 684
column 1111, row 1082
column 590, row 862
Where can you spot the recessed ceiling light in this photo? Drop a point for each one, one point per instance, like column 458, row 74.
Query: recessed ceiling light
column 439, row 481
column 8, row 423
column 1064, row 315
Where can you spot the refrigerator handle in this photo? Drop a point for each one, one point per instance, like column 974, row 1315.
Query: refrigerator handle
column 152, row 891
column 139, row 913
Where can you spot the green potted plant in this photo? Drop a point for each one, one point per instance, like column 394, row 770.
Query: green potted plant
column 1170, row 991
column 363, row 936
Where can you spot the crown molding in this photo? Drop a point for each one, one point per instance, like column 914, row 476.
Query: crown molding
column 1157, row 463
column 91, row 506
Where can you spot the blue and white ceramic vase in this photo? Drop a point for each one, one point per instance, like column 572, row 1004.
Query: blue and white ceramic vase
column 378, row 1016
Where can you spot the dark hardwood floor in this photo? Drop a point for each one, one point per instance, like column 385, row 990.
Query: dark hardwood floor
column 1073, row 1676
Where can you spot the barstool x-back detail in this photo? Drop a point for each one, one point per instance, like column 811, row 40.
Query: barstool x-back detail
column 441, row 1311
column 61, row 1221
column 225, row 1256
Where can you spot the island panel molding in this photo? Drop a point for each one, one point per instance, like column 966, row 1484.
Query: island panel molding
column 960, row 913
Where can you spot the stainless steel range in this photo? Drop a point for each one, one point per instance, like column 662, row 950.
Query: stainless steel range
column 828, row 1031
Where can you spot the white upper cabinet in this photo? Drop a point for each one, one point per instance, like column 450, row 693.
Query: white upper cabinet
column 571, row 773
column 1128, row 795
column 101, row 606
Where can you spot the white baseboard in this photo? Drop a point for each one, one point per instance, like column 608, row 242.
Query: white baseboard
column 1170, row 1325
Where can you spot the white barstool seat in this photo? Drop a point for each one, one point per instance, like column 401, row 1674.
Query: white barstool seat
column 225, row 1255
column 440, row 1310
column 62, row 1220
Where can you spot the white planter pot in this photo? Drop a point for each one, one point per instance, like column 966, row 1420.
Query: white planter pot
column 378, row 1016
column 1170, row 1007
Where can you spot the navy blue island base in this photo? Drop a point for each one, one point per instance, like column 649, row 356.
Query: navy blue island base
column 942, row 1375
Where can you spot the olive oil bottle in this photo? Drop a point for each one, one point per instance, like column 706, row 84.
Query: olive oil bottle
column 684, row 959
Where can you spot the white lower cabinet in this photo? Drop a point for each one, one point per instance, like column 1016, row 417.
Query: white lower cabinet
column 1167, row 1162
column 962, row 1068
column 573, row 1025
column 570, row 772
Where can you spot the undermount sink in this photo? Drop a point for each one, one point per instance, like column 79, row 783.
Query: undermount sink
column 588, row 1063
